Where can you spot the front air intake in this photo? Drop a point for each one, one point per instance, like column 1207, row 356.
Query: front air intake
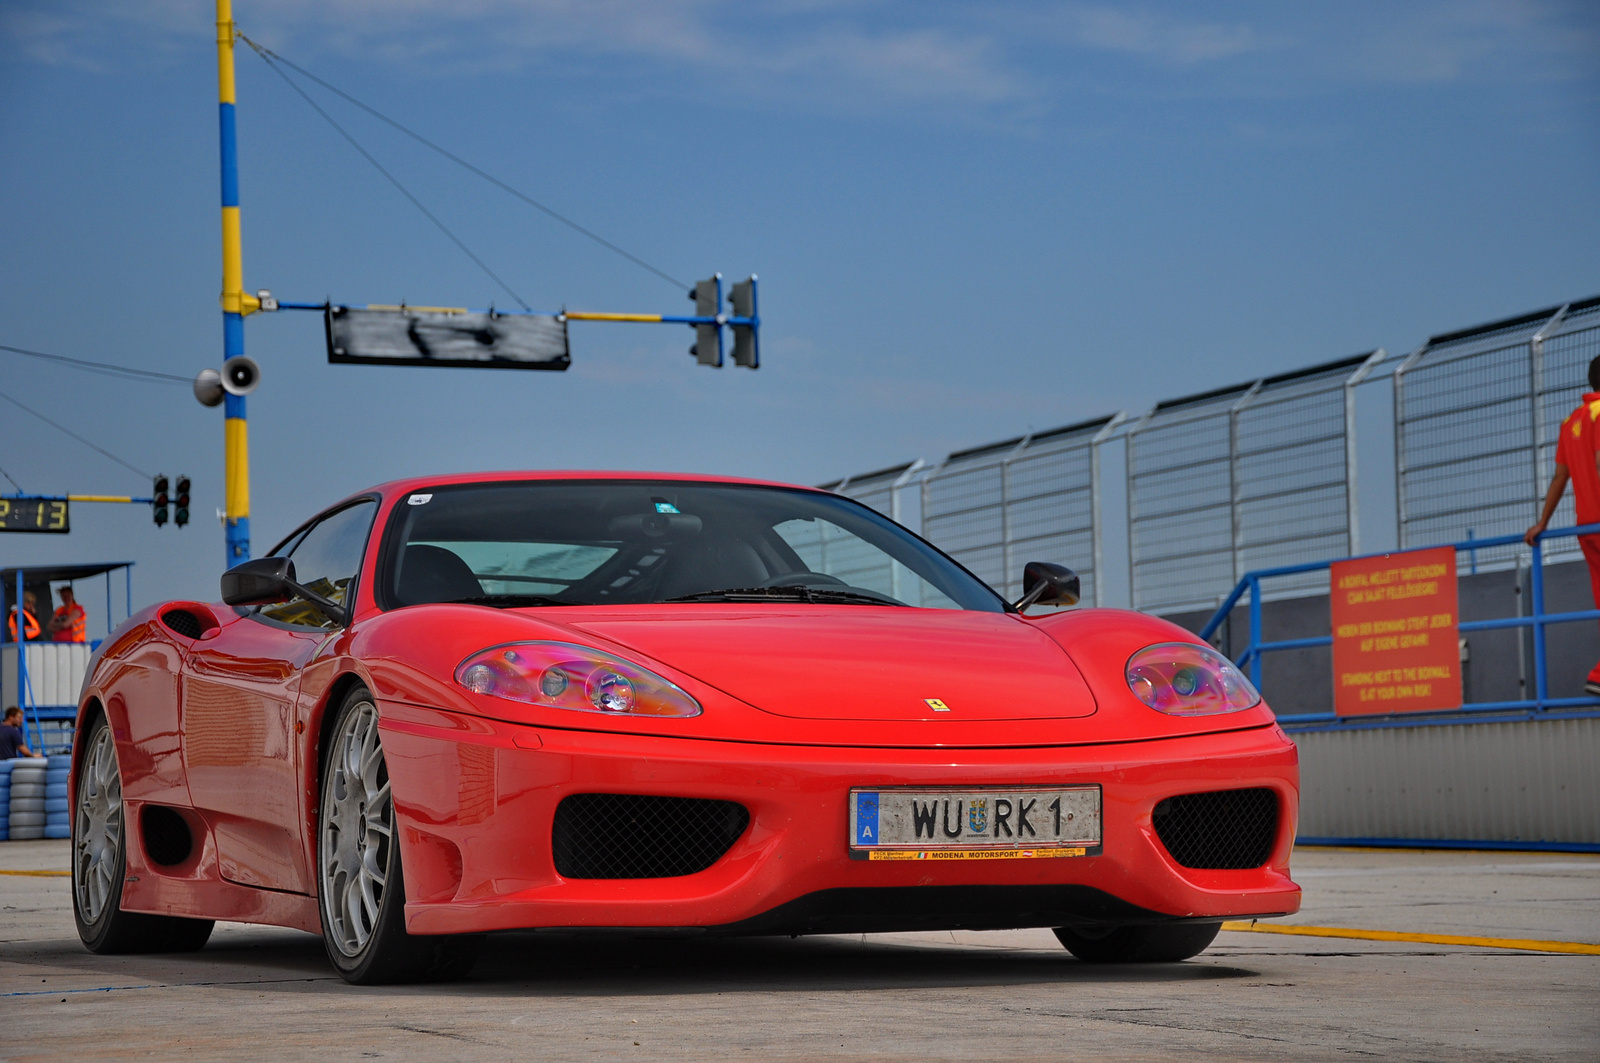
column 183, row 622
column 168, row 841
column 638, row 836
column 1222, row 830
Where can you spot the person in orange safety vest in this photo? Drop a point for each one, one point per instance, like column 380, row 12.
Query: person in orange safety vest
column 1578, row 460
column 30, row 621
column 70, row 623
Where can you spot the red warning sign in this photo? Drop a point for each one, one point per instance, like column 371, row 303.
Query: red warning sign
column 1396, row 639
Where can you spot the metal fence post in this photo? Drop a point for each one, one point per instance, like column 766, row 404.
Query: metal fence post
column 894, row 515
column 1096, row 541
column 24, row 688
column 1352, row 517
column 1535, row 394
column 1541, row 688
column 1129, row 443
column 1399, row 378
column 1005, row 517
column 1235, row 521
column 1255, row 631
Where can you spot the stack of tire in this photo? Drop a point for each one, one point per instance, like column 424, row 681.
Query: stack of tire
column 5, row 799
column 27, row 798
column 57, row 813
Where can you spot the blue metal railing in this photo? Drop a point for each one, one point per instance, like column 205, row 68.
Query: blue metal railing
column 1537, row 620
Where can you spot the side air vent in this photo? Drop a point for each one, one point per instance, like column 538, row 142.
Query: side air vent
column 1222, row 830
column 167, row 840
column 638, row 836
column 183, row 622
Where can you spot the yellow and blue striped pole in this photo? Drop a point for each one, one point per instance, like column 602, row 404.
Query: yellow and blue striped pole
column 235, row 303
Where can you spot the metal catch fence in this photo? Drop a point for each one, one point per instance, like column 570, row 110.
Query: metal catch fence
column 1476, row 417
column 1264, row 474
column 1256, row 475
column 995, row 508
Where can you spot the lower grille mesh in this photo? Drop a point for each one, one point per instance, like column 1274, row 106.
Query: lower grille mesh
column 639, row 836
column 1223, row 830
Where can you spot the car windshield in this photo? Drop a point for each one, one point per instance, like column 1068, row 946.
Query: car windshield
column 623, row 542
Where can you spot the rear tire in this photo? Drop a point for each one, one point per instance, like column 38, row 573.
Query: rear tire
column 100, row 864
column 360, row 883
column 1157, row 943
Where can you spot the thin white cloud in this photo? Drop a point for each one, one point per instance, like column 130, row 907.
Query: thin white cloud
column 1120, row 29
column 815, row 52
column 1461, row 39
column 1009, row 61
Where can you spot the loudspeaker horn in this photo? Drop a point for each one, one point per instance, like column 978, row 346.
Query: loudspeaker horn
column 240, row 375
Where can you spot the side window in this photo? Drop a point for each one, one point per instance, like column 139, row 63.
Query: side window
column 326, row 560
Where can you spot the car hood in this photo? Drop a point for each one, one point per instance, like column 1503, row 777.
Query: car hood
column 853, row 662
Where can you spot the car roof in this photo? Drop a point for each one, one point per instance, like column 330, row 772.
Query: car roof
column 411, row 483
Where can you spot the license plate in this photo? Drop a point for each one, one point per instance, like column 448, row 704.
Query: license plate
column 975, row 824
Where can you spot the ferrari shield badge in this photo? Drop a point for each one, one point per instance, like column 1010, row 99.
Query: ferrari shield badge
column 936, row 705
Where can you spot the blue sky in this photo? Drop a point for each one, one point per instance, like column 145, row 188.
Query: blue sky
column 969, row 220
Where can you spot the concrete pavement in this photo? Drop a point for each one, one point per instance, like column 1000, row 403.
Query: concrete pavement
column 257, row 993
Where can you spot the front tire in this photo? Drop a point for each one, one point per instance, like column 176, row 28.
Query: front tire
column 1158, row 943
column 100, row 864
column 360, row 883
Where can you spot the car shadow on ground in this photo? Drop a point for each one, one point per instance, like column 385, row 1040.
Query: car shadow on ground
column 580, row 966
column 563, row 965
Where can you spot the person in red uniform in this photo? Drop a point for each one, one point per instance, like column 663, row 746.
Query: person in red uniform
column 70, row 623
column 1578, row 460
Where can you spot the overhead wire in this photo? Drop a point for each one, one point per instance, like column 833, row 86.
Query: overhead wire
column 102, row 368
column 391, row 178
column 74, row 435
column 13, row 480
column 269, row 55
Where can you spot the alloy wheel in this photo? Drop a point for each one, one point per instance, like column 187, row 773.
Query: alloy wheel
column 356, row 832
column 97, row 839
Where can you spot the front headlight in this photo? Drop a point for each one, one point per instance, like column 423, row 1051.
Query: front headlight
column 1183, row 679
column 560, row 675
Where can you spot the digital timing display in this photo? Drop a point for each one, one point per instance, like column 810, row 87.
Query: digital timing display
column 34, row 515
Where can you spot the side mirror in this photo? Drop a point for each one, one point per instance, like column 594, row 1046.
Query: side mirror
column 259, row 581
column 266, row 580
column 1047, row 584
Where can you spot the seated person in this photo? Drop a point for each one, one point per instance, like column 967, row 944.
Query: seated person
column 13, row 743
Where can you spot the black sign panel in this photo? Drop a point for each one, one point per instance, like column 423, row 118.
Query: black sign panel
column 34, row 515
column 406, row 336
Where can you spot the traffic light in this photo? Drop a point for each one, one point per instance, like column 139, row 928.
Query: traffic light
column 746, row 337
column 158, row 504
column 707, row 297
column 180, row 503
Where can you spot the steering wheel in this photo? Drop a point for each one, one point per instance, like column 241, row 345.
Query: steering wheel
column 805, row 579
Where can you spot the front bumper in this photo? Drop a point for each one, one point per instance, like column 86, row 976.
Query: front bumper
column 475, row 801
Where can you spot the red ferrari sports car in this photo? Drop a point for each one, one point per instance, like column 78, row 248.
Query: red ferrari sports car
column 462, row 704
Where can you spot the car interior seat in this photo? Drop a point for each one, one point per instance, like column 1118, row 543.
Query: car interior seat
column 711, row 564
column 434, row 574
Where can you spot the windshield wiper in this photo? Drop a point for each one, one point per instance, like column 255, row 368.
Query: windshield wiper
column 507, row 601
column 816, row 595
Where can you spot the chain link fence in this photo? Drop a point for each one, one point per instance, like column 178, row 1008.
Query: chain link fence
column 1264, row 474
column 1476, row 418
column 1242, row 478
column 1034, row 498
